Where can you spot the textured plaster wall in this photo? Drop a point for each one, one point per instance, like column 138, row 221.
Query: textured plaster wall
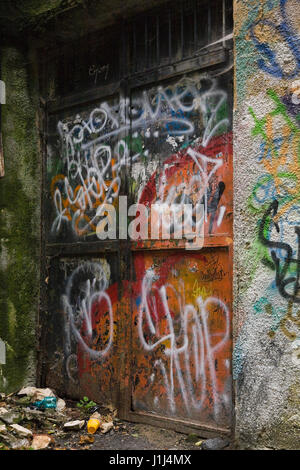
column 19, row 221
column 266, row 266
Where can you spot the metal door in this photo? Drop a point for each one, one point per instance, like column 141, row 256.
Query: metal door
column 82, row 275
column 144, row 324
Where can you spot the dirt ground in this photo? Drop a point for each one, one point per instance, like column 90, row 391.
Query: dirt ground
column 49, row 424
column 131, row 437
column 126, row 436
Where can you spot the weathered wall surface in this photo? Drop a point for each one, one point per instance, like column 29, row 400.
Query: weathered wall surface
column 19, row 221
column 267, row 217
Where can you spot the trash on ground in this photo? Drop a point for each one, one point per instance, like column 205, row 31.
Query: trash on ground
column 86, row 440
column 198, row 444
column 36, row 393
column 47, row 402
column 92, row 425
column 24, row 426
column 74, row 425
column 40, row 441
column 105, row 427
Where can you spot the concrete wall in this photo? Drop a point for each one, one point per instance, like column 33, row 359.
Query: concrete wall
column 19, row 221
column 266, row 170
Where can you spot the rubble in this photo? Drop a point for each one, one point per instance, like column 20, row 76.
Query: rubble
column 106, row 427
column 40, row 441
column 21, row 431
column 65, row 427
column 10, row 417
column 21, row 423
column 216, row 443
column 36, row 393
column 13, row 442
column 74, row 425
column 61, row 405
column 22, row 401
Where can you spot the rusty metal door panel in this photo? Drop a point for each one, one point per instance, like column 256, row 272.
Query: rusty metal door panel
column 181, row 301
column 182, row 336
column 184, row 130
column 84, row 171
column 80, row 346
column 84, row 162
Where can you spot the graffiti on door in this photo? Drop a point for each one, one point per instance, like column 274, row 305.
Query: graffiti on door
column 173, row 143
column 187, row 122
column 182, row 339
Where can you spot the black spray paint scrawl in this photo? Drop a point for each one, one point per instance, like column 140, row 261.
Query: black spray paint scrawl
column 282, row 267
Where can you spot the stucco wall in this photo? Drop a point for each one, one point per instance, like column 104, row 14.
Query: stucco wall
column 266, row 266
column 19, row 221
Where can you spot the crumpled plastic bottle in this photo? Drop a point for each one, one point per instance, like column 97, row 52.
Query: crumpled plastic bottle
column 47, row 402
column 93, row 423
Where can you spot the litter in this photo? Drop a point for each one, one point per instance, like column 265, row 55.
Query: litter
column 47, row 402
column 74, row 425
column 40, row 441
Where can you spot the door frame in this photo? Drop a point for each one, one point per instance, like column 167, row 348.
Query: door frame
column 213, row 60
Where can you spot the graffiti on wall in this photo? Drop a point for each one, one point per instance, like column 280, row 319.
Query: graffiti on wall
column 285, row 30
column 268, row 115
column 275, row 197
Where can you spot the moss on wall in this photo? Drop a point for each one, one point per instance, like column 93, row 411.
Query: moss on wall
column 19, row 221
